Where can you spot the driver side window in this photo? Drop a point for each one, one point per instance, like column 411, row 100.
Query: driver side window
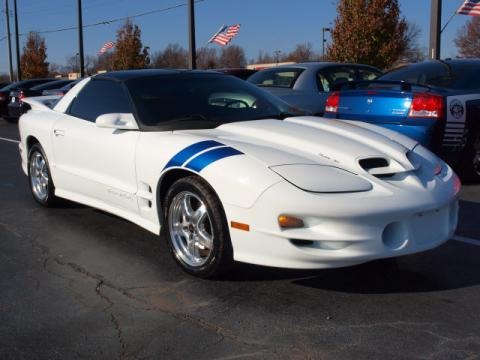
column 332, row 76
column 100, row 97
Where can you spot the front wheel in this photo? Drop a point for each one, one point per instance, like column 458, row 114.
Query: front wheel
column 197, row 230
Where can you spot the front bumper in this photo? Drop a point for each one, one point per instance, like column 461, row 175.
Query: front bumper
column 345, row 229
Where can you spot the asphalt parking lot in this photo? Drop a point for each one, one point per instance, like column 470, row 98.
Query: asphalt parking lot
column 78, row 283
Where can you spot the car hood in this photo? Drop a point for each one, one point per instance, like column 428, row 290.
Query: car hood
column 312, row 140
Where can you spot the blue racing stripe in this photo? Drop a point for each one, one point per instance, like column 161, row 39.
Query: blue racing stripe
column 189, row 151
column 202, row 161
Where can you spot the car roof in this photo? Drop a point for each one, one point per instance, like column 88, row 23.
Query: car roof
column 318, row 65
column 60, row 82
column 125, row 75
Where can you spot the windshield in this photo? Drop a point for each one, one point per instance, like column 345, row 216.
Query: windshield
column 439, row 74
column 201, row 101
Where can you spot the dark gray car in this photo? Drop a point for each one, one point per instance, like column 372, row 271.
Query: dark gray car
column 306, row 85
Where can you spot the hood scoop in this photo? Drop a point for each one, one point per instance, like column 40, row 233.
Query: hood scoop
column 382, row 167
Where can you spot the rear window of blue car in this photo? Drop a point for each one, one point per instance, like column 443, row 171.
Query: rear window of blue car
column 458, row 76
column 282, row 77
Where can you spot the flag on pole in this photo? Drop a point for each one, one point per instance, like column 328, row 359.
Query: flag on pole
column 226, row 33
column 107, row 46
column 470, row 7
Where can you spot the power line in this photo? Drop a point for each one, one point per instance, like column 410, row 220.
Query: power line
column 111, row 21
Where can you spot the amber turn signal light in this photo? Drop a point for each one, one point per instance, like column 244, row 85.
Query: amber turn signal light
column 240, row 226
column 290, row 222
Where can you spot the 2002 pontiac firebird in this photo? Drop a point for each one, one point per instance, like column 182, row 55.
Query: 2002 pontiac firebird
column 233, row 173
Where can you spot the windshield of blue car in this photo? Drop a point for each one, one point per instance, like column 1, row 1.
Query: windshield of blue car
column 280, row 77
column 195, row 100
column 459, row 76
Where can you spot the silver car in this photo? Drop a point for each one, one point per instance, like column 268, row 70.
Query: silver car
column 306, row 85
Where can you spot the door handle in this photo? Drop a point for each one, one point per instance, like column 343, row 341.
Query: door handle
column 58, row 132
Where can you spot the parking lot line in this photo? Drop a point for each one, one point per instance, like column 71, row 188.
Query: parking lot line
column 9, row 140
column 466, row 240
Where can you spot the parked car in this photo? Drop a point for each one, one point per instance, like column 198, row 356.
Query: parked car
column 241, row 73
column 306, row 86
column 231, row 174
column 3, row 84
column 63, row 90
column 5, row 93
column 437, row 103
column 16, row 106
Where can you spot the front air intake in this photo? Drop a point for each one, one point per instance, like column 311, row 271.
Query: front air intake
column 373, row 163
column 378, row 167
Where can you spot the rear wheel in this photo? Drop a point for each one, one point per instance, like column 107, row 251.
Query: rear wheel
column 40, row 179
column 197, row 231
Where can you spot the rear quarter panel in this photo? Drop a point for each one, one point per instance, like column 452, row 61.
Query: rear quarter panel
column 39, row 125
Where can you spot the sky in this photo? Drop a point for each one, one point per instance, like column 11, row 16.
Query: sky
column 267, row 25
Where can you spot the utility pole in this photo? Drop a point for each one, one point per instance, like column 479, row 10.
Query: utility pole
column 80, row 38
column 435, row 29
column 191, row 31
column 17, row 42
column 324, row 30
column 9, row 42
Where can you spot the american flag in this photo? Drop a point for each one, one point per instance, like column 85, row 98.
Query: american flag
column 225, row 34
column 107, row 46
column 470, row 7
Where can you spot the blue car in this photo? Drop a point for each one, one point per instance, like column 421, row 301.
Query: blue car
column 436, row 103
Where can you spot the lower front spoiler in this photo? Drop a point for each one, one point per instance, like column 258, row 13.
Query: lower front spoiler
column 347, row 242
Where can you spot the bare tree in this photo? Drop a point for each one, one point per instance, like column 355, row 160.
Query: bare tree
column 174, row 56
column 207, row 58
column 413, row 52
column 71, row 64
column 55, row 70
column 264, row 58
column 4, row 78
column 103, row 62
column 468, row 39
column 301, row 53
column 232, row 56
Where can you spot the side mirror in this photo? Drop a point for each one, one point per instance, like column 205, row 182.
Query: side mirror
column 117, row 121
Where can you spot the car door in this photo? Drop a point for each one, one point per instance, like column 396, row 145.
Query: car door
column 94, row 164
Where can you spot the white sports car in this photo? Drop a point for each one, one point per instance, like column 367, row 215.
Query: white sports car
column 233, row 174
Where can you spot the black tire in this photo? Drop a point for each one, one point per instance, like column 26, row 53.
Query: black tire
column 50, row 200
column 470, row 166
column 220, row 257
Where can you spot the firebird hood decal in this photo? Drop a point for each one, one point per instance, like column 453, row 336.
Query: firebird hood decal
column 198, row 156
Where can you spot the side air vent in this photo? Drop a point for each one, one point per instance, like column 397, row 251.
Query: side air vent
column 373, row 163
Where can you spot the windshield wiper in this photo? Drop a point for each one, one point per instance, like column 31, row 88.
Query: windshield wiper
column 195, row 117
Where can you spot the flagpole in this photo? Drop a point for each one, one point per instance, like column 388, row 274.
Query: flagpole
column 218, row 32
column 451, row 18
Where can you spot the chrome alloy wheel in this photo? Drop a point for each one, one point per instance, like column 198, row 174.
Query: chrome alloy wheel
column 190, row 229
column 39, row 176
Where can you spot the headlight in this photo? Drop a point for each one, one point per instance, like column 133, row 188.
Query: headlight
column 322, row 179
